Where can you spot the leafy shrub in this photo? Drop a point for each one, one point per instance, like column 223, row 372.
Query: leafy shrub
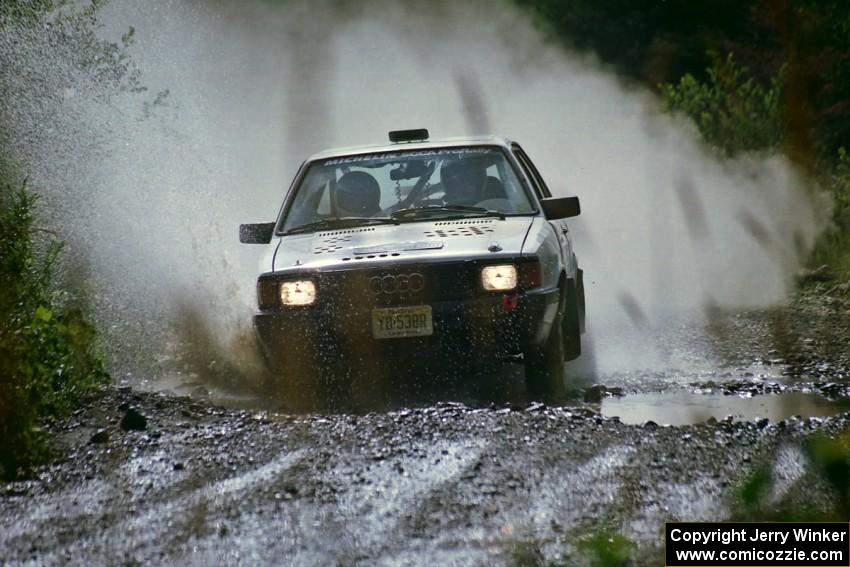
column 833, row 248
column 829, row 460
column 736, row 114
column 839, row 183
column 830, row 457
column 48, row 359
column 606, row 548
column 732, row 111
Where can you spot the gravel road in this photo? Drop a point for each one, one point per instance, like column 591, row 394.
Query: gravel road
column 151, row 478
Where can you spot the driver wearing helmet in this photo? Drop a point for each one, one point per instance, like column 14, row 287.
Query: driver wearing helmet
column 357, row 195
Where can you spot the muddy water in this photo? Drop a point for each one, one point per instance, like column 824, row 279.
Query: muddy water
column 682, row 408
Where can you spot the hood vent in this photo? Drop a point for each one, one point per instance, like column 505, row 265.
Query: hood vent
column 444, row 223
column 458, row 231
column 371, row 256
column 347, row 231
column 330, row 243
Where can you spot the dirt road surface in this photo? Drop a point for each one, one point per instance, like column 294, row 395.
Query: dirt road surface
column 441, row 483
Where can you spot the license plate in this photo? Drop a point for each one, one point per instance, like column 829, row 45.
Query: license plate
column 397, row 322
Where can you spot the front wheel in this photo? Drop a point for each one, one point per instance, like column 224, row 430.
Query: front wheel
column 544, row 366
column 289, row 381
column 572, row 320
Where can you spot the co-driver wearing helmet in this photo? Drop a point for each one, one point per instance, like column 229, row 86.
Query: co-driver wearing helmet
column 463, row 181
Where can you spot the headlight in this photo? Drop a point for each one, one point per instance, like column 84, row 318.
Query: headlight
column 499, row 278
column 299, row 292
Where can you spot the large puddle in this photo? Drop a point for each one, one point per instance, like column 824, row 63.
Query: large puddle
column 682, row 408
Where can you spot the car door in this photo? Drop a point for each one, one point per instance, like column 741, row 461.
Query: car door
column 542, row 190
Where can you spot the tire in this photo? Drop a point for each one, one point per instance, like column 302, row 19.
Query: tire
column 582, row 310
column 544, row 366
column 291, row 384
column 572, row 322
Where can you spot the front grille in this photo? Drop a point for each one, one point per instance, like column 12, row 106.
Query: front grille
column 408, row 284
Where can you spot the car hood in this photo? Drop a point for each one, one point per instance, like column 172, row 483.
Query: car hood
column 444, row 240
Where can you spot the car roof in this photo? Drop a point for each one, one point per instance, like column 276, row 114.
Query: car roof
column 405, row 146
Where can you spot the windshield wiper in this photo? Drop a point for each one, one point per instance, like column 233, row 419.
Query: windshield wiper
column 338, row 222
column 453, row 210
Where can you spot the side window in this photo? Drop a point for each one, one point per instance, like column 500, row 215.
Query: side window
column 540, row 185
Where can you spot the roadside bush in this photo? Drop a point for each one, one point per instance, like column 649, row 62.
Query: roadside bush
column 607, row 548
column 48, row 359
column 828, row 458
column 732, row 111
column 735, row 114
column 834, row 246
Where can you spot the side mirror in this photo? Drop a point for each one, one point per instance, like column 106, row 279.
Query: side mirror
column 258, row 233
column 555, row 208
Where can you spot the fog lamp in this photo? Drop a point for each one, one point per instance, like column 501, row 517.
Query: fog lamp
column 499, row 278
column 298, row 292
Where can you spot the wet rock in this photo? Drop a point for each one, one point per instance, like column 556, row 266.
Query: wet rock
column 13, row 490
column 843, row 288
column 200, row 392
column 585, row 413
column 595, row 393
column 100, row 436
column 820, row 274
column 133, row 420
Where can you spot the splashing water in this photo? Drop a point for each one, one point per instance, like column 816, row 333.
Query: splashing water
column 150, row 187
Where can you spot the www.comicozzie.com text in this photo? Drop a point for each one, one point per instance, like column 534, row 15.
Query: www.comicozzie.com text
column 743, row 534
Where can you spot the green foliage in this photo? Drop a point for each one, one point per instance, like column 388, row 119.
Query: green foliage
column 646, row 40
column 735, row 114
column 750, row 495
column 755, row 487
column 833, row 248
column 27, row 11
column 732, row 111
column 48, row 359
column 839, row 183
column 829, row 458
column 607, row 549
column 660, row 42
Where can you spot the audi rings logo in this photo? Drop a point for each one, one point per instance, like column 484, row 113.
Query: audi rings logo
column 403, row 283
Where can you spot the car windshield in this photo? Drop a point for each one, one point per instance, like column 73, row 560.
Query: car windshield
column 405, row 186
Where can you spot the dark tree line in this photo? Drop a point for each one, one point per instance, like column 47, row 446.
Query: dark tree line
column 660, row 41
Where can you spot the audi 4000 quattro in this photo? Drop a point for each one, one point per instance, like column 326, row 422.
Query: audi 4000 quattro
column 419, row 251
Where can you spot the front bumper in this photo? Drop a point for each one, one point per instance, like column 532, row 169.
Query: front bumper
column 481, row 329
